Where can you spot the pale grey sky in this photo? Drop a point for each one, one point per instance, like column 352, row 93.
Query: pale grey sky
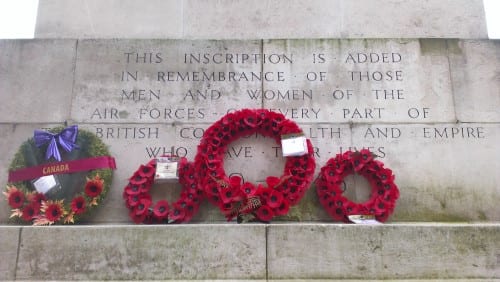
column 18, row 18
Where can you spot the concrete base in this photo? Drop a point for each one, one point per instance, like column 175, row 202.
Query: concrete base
column 253, row 252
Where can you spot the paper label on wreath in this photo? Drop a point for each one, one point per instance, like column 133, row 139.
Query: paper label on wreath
column 167, row 169
column 293, row 145
column 363, row 219
column 46, row 183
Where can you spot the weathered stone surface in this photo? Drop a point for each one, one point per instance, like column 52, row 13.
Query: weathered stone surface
column 109, row 19
column 365, row 81
column 263, row 19
column 36, row 78
column 476, row 79
column 259, row 19
column 402, row 251
column 414, row 19
column 143, row 252
column 415, row 138
column 8, row 251
column 158, row 81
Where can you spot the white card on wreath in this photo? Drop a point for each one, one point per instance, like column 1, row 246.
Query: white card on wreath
column 293, row 145
column 45, row 183
column 166, row 170
column 363, row 219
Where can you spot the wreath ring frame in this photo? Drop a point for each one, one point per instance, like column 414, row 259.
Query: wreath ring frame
column 138, row 199
column 30, row 206
column 384, row 192
column 237, row 199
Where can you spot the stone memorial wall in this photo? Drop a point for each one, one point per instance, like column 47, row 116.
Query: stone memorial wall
column 416, row 82
column 428, row 108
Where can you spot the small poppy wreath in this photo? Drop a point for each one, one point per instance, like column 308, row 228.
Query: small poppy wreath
column 138, row 199
column 237, row 199
column 79, row 192
column 384, row 191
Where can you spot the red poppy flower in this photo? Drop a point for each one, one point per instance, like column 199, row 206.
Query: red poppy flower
column 132, row 200
column 264, row 213
column 190, row 208
column 272, row 181
column 391, row 195
column 383, row 216
column 137, row 179
column 30, row 211
column 132, row 189
column 283, row 208
column 386, row 176
column 16, row 199
column 94, row 187
column 366, row 155
column 54, row 211
column 177, row 213
column 288, row 127
column 137, row 218
column 146, row 171
column 235, row 181
column 375, row 166
column 37, row 199
column 229, row 195
column 161, row 209
column 78, row 205
column 275, row 198
column 249, row 189
column 251, row 120
column 143, row 206
column 263, row 192
column 357, row 163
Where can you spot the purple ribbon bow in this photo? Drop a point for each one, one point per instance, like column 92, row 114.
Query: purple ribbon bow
column 66, row 138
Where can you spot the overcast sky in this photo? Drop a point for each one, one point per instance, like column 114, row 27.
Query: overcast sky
column 18, row 18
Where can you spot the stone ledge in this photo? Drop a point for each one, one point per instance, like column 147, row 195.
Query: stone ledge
column 391, row 251
column 253, row 252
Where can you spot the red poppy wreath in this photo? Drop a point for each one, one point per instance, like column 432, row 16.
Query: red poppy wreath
column 52, row 186
column 138, row 198
column 384, row 191
column 237, row 199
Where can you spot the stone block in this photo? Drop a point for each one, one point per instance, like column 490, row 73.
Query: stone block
column 399, row 251
column 414, row 19
column 162, row 81
column 109, row 19
column 36, row 80
column 360, row 81
column 475, row 77
column 263, row 19
column 143, row 252
column 8, row 251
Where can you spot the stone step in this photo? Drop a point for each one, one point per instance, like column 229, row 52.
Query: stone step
column 253, row 252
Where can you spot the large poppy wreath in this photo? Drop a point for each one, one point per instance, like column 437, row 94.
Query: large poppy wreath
column 329, row 186
column 83, row 171
column 138, row 198
column 237, row 199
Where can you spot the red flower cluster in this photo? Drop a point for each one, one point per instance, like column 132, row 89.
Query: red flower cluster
column 235, row 198
column 384, row 191
column 138, row 199
column 35, row 207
